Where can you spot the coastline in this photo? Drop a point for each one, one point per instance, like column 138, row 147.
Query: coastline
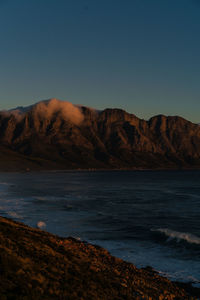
column 54, row 170
column 11, row 161
column 40, row 265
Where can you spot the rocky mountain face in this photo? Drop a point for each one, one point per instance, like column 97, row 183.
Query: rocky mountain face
column 56, row 134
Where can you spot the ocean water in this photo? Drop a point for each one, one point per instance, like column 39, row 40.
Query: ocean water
column 145, row 217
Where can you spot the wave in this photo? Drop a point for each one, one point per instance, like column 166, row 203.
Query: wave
column 181, row 276
column 41, row 225
column 13, row 214
column 179, row 236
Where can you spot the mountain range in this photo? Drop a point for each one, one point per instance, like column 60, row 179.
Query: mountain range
column 54, row 134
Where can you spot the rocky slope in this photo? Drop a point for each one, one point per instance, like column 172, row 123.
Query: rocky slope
column 56, row 134
column 38, row 265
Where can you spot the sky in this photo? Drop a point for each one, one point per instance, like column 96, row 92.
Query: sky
column 139, row 55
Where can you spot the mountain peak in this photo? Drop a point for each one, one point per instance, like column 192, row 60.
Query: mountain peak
column 46, row 109
column 58, row 134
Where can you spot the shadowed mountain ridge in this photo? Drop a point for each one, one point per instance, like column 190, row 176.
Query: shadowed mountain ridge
column 57, row 134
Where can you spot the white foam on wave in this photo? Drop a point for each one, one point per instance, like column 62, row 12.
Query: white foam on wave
column 13, row 214
column 41, row 225
column 4, row 183
column 184, row 236
column 182, row 276
column 41, row 198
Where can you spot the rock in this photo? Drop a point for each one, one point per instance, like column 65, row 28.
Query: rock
column 35, row 264
column 44, row 136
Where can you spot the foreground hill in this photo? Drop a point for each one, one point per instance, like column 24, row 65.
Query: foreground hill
column 38, row 265
column 55, row 134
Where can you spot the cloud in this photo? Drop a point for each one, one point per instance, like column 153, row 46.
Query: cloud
column 67, row 110
column 47, row 109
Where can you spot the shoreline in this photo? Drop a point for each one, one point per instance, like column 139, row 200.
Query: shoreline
column 52, row 170
column 39, row 257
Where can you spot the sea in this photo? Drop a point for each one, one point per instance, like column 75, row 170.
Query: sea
column 149, row 218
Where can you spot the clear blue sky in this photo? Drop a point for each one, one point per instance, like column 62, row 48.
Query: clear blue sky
column 139, row 55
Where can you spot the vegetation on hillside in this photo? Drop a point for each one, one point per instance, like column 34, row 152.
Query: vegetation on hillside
column 35, row 265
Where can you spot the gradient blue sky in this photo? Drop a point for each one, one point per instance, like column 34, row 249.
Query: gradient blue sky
column 139, row 55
